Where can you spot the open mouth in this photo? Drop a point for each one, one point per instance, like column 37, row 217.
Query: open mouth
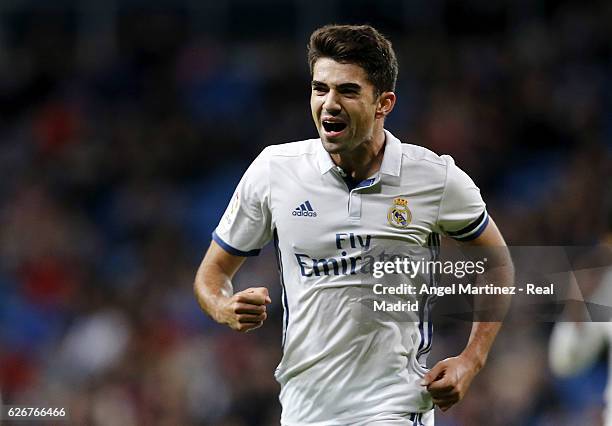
column 333, row 127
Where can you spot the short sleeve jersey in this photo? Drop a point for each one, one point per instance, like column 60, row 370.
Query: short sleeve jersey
column 334, row 371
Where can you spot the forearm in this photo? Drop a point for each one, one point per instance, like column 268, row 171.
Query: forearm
column 212, row 287
column 242, row 311
column 481, row 339
column 490, row 310
column 449, row 379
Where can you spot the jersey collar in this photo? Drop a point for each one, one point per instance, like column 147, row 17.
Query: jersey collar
column 391, row 163
column 392, row 159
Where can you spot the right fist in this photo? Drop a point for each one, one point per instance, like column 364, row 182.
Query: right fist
column 246, row 310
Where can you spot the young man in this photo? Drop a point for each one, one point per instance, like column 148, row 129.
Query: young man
column 325, row 202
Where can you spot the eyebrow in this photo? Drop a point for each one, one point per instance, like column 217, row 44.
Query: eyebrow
column 343, row 86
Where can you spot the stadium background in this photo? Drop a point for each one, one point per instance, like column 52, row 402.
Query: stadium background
column 125, row 125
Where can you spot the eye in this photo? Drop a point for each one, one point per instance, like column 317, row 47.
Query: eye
column 319, row 90
column 350, row 93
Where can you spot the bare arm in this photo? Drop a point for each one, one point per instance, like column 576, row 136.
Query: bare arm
column 449, row 379
column 243, row 311
column 500, row 272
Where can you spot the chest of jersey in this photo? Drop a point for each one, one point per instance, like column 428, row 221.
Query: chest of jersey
column 317, row 214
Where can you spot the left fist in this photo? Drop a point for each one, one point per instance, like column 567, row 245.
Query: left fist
column 449, row 380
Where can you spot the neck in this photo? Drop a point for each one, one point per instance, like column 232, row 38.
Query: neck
column 365, row 160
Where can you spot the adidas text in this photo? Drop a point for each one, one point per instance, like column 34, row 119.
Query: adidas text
column 304, row 213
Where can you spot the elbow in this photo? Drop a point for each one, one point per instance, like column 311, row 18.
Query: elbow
column 510, row 270
column 199, row 290
column 196, row 286
column 196, row 292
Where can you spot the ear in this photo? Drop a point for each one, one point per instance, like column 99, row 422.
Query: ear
column 386, row 102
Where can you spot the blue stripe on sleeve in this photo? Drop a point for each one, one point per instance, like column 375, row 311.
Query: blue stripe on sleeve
column 475, row 234
column 232, row 250
column 468, row 228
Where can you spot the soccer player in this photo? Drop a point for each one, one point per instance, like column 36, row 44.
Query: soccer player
column 325, row 202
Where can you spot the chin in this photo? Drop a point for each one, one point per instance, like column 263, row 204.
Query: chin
column 333, row 147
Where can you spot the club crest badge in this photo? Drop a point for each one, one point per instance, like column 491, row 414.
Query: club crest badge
column 399, row 215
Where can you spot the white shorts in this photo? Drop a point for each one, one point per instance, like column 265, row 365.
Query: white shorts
column 415, row 419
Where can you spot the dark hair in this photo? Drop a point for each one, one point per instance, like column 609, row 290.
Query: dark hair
column 361, row 45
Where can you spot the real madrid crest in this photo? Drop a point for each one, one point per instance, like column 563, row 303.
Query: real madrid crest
column 399, row 215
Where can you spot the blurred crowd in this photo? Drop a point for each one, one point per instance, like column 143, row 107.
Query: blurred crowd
column 124, row 129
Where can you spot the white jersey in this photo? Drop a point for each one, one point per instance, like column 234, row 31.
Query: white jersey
column 335, row 371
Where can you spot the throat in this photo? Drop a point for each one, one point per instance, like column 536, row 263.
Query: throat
column 358, row 165
column 350, row 182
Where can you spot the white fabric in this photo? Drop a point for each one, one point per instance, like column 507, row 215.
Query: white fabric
column 574, row 347
column 335, row 369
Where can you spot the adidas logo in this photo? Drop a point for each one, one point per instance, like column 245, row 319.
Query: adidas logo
column 304, row 209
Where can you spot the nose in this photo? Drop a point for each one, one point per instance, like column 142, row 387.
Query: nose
column 331, row 104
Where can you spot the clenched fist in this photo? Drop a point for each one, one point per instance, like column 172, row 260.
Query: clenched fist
column 245, row 310
column 449, row 380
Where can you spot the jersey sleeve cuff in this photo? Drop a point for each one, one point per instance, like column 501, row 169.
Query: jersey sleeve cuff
column 473, row 230
column 231, row 250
